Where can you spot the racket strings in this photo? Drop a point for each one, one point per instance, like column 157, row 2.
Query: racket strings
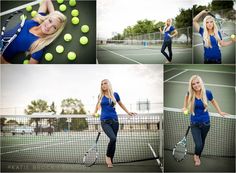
column 90, row 157
column 179, row 152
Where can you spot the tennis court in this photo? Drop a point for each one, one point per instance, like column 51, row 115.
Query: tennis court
column 85, row 54
column 72, row 136
column 219, row 151
column 145, row 49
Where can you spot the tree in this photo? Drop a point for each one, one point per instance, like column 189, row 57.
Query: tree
column 2, row 123
column 219, row 5
column 72, row 106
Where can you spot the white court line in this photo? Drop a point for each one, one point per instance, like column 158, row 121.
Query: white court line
column 19, row 8
column 175, row 75
column 32, row 148
column 122, row 56
column 157, row 53
column 170, row 70
column 211, row 71
column 196, row 45
column 207, row 84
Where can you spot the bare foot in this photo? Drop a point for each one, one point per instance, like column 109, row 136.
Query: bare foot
column 197, row 161
column 108, row 162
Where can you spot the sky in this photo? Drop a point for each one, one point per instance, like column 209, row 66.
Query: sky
column 23, row 83
column 115, row 15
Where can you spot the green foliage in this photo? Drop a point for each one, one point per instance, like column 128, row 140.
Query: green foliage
column 218, row 5
column 72, row 106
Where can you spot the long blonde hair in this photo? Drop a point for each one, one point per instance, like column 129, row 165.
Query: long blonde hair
column 110, row 93
column 206, row 35
column 167, row 28
column 45, row 41
column 192, row 94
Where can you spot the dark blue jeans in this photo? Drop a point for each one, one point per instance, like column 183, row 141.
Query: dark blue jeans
column 111, row 127
column 167, row 43
column 207, row 61
column 199, row 133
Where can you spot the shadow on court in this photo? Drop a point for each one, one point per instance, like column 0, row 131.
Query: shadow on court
column 208, row 164
column 146, row 166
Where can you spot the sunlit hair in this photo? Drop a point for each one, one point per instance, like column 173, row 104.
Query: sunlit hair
column 110, row 93
column 45, row 41
column 206, row 34
column 167, row 28
column 192, row 94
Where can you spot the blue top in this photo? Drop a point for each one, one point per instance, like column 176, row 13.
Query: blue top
column 108, row 110
column 167, row 33
column 23, row 42
column 200, row 115
column 214, row 52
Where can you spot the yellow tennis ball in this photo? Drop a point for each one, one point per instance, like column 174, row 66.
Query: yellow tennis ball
column 48, row 56
column 85, row 28
column 75, row 20
column 62, row 7
column 26, row 61
column 67, row 37
column 29, row 8
column 97, row 115
column 72, row 3
column 23, row 17
column 83, row 40
column 232, row 36
column 71, row 56
column 186, row 112
column 60, row 1
column 59, row 49
column 34, row 13
column 75, row 13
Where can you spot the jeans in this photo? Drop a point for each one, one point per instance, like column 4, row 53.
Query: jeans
column 167, row 43
column 111, row 127
column 207, row 61
column 199, row 133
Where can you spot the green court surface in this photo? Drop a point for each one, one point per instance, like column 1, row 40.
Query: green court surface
column 85, row 54
column 227, row 53
column 219, row 151
column 142, row 55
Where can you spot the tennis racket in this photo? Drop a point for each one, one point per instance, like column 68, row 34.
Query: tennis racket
column 11, row 28
column 180, row 149
column 220, row 21
column 91, row 156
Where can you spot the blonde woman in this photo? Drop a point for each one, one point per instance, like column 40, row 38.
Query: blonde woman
column 107, row 101
column 37, row 34
column 212, row 39
column 169, row 32
column 196, row 101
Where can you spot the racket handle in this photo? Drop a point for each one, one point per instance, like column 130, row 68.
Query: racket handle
column 211, row 14
column 187, row 131
column 99, row 133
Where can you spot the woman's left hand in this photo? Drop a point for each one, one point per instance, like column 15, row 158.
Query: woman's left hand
column 132, row 113
column 223, row 114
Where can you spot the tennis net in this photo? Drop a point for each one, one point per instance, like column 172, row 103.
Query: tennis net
column 220, row 140
column 66, row 138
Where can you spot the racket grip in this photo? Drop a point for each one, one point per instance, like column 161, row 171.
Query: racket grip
column 187, row 131
column 99, row 133
column 211, row 14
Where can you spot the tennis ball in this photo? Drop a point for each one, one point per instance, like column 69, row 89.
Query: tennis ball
column 186, row 112
column 83, row 40
column 29, row 8
column 60, row 1
column 48, row 56
column 75, row 20
column 23, row 17
column 62, row 7
column 67, row 37
column 34, row 13
column 232, row 36
column 97, row 115
column 71, row 56
column 85, row 28
column 26, row 61
column 59, row 49
column 72, row 3
column 75, row 13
